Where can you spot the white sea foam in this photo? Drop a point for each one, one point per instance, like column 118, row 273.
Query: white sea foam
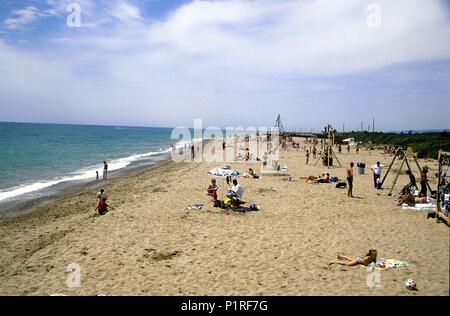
column 82, row 174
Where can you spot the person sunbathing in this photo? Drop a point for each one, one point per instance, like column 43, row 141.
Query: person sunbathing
column 311, row 179
column 320, row 179
column 250, row 174
column 406, row 198
column 370, row 257
column 410, row 200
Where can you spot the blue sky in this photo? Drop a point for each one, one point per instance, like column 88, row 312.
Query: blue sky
column 231, row 63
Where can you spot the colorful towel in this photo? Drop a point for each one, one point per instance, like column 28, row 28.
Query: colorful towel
column 420, row 207
column 387, row 264
column 197, row 207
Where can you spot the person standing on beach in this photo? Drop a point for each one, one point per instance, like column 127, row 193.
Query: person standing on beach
column 264, row 161
column 96, row 175
column 307, row 156
column 192, row 152
column 376, row 169
column 423, row 182
column 105, row 170
column 348, row 148
column 357, row 148
column 314, row 152
column 350, row 179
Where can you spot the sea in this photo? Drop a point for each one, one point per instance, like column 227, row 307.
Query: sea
column 40, row 160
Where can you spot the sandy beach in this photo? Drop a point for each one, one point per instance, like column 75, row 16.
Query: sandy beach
column 150, row 245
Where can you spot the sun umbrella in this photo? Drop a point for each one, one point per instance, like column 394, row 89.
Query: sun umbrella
column 223, row 172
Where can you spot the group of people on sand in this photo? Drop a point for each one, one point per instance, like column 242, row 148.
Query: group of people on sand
column 406, row 195
column 390, row 150
column 105, row 171
column 234, row 195
column 102, row 206
column 323, row 178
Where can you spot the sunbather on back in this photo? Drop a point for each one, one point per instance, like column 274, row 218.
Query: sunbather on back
column 370, row 257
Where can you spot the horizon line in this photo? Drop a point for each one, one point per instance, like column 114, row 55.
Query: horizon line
column 288, row 130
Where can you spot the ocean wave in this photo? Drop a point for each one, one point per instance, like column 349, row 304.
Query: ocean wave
column 84, row 173
column 81, row 174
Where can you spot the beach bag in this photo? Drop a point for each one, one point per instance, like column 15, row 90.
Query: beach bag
column 341, row 185
column 333, row 179
column 227, row 201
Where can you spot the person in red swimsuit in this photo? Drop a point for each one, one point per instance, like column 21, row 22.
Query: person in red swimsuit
column 102, row 207
column 212, row 189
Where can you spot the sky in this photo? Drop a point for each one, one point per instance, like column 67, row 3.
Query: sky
column 230, row 63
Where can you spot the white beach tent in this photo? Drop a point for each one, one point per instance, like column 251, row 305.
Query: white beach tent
column 351, row 141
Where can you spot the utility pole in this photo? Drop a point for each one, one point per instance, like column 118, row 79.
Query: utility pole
column 373, row 125
column 329, row 145
column 361, row 126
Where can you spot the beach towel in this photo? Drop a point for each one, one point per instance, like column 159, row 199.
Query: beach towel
column 196, row 207
column 253, row 208
column 387, row 264
column 341, row 185
column 420, row 207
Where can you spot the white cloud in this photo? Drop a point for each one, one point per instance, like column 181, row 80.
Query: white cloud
column 212, row 54
column 308, row 37
column 125, row 11
column 22, row 17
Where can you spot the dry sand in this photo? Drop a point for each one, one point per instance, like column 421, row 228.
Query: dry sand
column 149, row 245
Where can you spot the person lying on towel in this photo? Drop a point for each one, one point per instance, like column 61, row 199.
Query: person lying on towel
column 250, row 174
column 410, row 200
